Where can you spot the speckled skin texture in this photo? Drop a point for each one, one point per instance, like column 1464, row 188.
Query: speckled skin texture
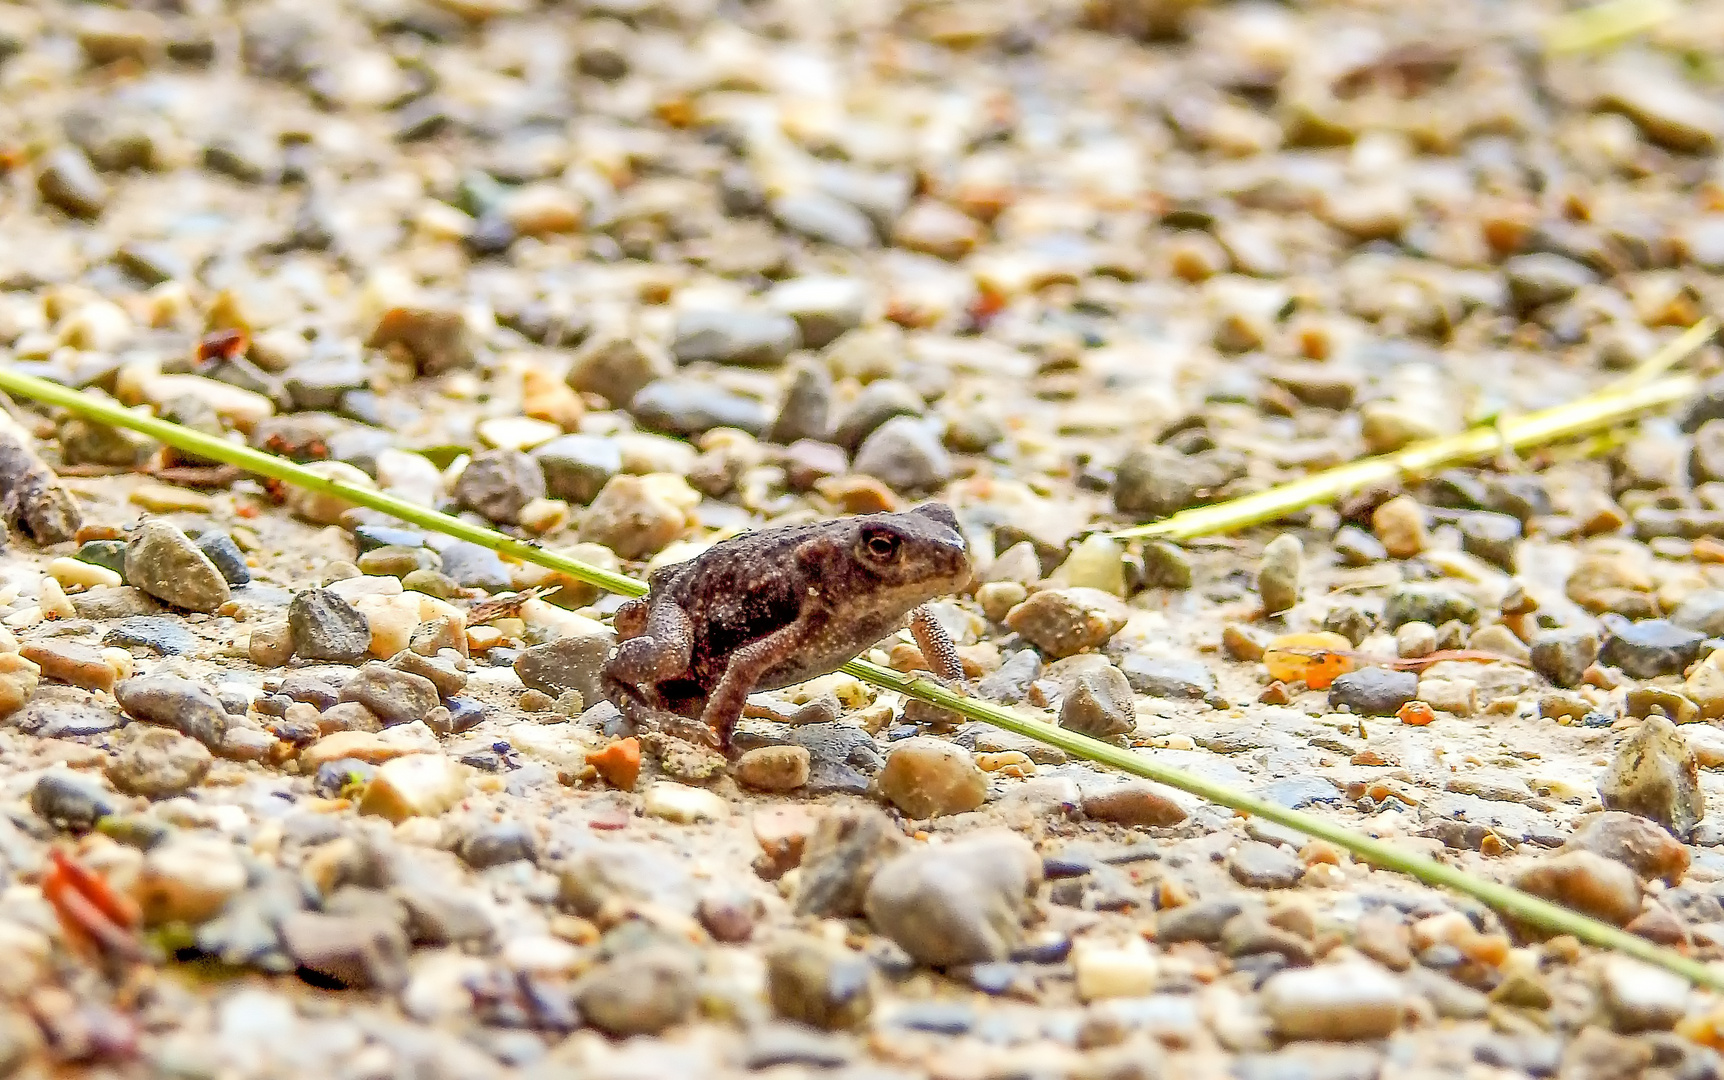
column 771, row 608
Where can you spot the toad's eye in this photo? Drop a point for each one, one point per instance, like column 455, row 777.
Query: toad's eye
column 882, row 545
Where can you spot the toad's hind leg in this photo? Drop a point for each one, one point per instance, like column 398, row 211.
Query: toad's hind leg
column 661, row 651
column 660, row 641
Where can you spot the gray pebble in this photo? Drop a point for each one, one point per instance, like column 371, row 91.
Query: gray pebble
column 823, row 307
column 577, row 466
column 1257, row 865
column 817, row 983
column 162, row 561
column 1649, row 648
column 1374, row 691
column 158, row 763
column 960, row 903
column 1563, row 655
column 357, row 952
column 843, row 758
column 494, row 843
column 1182, row 680
column 824, row 219
column 326, row 627
column 641, row 993
column 395, row 696
column 570, row 663
column 67, row 181
column 740, row 338
column 687, row 406
column 807, row 409
column 878, row 402
column 69, row 801
column 158, row 633
column 497, row 483
column 1434, row 604
column 177, row 703
column 906, row 455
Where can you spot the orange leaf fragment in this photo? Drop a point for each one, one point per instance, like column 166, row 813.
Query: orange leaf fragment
column 1317, row 658
column 619, row 763
column 1416, row 713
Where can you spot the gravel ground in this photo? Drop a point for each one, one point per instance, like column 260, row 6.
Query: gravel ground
column 287, row 790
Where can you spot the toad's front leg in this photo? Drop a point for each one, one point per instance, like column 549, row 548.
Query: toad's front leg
column 747, row 665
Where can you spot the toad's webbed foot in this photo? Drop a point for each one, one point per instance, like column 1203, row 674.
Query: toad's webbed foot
column 647, row 717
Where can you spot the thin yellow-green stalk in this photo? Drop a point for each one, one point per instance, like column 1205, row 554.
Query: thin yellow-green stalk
column 1511, row 902
column 1606, row 25
column 1634, row 394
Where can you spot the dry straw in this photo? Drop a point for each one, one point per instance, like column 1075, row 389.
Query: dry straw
column 1519, row 906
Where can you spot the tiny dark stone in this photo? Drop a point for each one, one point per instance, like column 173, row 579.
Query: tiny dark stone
column 69, row 801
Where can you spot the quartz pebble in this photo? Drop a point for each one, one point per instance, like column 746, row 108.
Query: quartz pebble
column 683, row 804
column 1340, row 1002
column 415, row 785
column 927, row 777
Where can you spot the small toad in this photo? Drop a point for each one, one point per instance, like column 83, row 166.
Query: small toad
column 772, row 608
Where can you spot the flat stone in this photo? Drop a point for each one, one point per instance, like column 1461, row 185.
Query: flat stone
column 70, row 662
column 1140, row 804
column 740, row 338
column 840, row 859
column 67, row 800
column 159, row 634
column 642, row 993
column 173, row 702
column 690, row 407
column 819, row 984
column 1343, row 1002
column 225, row 555
column 1563, row 655
column 1649, row 648
column 358, row 952
column 1434, row 604
column 568, row 663
column 842, row 758
column 1257, row 865
column 576, row 467
column 1162, row 677
column 395, row 696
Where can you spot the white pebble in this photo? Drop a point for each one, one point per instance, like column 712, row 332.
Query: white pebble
column 1346, row 1001
column 54, row 602
column 683, row 804
column 78, row 574
column 1114, row 971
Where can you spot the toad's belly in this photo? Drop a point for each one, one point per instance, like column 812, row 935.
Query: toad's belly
column 825, row 651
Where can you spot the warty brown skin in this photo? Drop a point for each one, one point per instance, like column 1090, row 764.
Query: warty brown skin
column 771, row 608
